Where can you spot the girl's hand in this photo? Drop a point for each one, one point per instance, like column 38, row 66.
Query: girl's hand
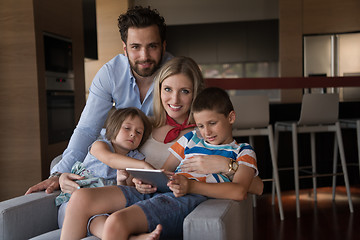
column 67, row 182
column 148, row 166
column 121, row 176
column 179, row 185
column 142, row 187
column 206, row 164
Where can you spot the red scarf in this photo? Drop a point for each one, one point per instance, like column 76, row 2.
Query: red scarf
column 174, row 132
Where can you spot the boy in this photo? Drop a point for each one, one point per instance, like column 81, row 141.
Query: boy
column 214, row 115
column 136, row 213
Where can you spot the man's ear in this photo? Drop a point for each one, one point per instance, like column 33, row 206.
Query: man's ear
column 124, row 48
column 232, row 117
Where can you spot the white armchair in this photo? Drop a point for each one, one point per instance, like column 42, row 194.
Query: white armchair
column 34, row 216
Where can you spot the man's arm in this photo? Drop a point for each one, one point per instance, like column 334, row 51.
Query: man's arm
column 86, row 132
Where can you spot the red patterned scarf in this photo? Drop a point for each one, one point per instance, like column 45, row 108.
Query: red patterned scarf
column 174, row 132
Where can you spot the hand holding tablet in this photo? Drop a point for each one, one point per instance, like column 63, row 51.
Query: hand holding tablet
column 155, row 177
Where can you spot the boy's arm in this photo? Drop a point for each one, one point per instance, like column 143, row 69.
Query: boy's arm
column 256, row 186
column 236, row 190
column 115, row 160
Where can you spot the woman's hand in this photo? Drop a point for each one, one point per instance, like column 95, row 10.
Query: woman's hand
column 67, row 182
column 179, row 185
column 143, row 187
column 206, row 164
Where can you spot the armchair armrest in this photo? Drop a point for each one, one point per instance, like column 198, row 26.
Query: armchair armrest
column 28, row 216
column 220, row 219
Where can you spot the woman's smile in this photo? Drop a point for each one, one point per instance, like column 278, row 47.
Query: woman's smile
column 176, row 96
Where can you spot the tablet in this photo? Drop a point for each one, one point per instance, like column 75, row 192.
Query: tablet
column 154, row 177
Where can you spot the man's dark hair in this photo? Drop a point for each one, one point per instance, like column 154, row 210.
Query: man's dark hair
column 140, row 17
column 213, row 99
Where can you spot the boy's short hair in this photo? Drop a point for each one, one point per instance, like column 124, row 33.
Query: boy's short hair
column 213, row 99
column 117, row 117
column 141, row 17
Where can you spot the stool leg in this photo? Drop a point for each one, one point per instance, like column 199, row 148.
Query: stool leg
column 276, row 147
column 251, row 141
column 296, row 167
column 343, row 164
column 358, row 140
column 313, row 163
column 275, row 171
column 335, row 159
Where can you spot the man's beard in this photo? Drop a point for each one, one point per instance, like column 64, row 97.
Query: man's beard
column 147, row 72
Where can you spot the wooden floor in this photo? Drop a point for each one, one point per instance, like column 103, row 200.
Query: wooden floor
column 325, row 220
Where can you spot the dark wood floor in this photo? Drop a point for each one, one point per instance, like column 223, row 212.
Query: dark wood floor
column 325, row 220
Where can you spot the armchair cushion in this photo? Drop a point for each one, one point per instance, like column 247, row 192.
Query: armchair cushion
column 55, row 235
column 220, row 219
column 28, row 216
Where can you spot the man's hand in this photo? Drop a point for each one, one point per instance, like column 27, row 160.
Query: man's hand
column 49, row 185
column 67, row 182
column 179, row 185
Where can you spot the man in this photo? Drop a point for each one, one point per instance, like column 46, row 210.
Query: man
column 126, row 81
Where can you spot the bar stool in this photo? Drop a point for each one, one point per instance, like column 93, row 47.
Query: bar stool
column 319, row 113
column 252, row 119
column 346, row 124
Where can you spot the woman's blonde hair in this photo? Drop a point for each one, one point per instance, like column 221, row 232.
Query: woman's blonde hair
column 177, row 65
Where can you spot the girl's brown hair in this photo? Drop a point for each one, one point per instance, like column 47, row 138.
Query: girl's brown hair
column 116, row 119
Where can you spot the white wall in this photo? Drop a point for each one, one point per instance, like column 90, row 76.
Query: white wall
column 211, row 11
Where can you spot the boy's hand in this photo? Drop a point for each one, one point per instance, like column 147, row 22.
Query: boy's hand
column 179, row 185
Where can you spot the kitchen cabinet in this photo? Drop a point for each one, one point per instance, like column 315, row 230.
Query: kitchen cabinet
column 333, row 55
column 25, row 153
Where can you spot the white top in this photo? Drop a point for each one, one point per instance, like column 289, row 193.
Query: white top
column 155, row 152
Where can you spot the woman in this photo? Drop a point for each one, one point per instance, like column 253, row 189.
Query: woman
column 177, row 105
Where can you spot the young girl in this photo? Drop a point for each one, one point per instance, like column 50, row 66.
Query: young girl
column 126, row 130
